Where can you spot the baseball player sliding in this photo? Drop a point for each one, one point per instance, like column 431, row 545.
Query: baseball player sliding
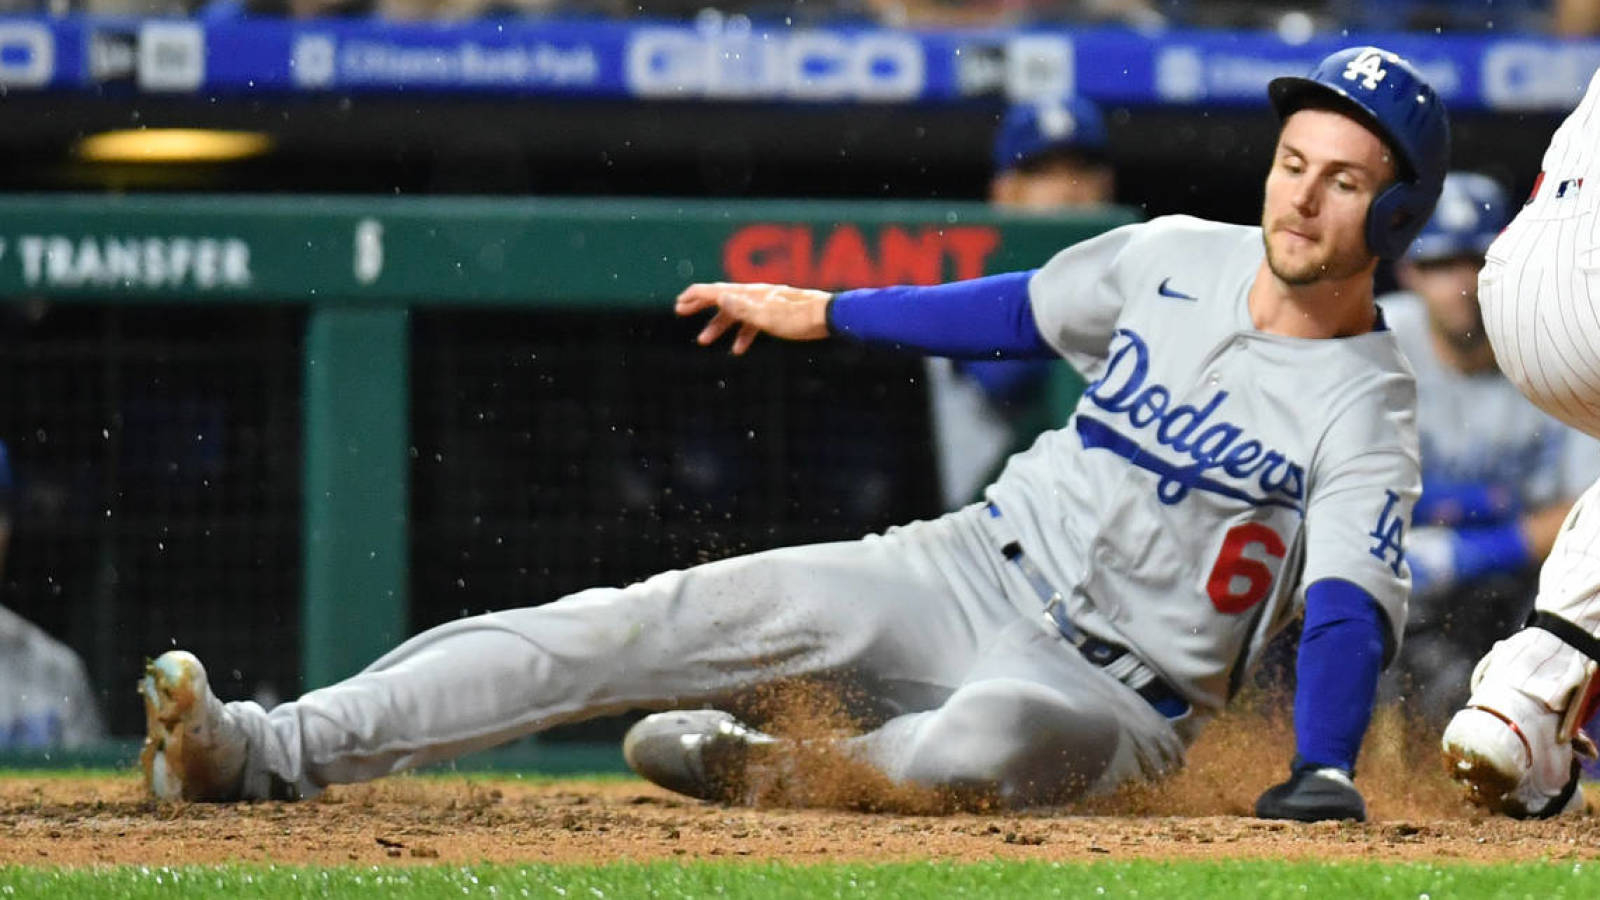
column 1245, row 448
column 1515, row 745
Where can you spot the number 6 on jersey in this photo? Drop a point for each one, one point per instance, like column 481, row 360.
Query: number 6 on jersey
column 1237, row 581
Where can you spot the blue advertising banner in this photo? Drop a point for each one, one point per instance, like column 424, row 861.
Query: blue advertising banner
column 745, row 62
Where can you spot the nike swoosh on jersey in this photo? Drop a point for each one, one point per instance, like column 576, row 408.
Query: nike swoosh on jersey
column 1175, row 294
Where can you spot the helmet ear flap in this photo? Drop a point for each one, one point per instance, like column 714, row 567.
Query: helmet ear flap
column 1396, row 217
column 1392, row 99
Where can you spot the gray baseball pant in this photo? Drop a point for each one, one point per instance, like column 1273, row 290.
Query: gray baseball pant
column 981, row 690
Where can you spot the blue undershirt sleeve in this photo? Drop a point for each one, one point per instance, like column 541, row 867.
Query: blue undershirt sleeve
column 1445, row 502
column 1342, row 651
column 1486, row 549
column 983, row 318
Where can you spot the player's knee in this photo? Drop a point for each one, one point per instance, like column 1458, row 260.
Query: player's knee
column 1007, row 705
column 1019, row 740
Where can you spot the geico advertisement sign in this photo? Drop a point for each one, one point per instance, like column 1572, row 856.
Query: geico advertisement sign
column 802, row 65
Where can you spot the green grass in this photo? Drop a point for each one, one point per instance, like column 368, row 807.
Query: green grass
column 436, row 773
column 531, row 754
column 772, row 881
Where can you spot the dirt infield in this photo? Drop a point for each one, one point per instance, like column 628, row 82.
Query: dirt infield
column 1201, row 813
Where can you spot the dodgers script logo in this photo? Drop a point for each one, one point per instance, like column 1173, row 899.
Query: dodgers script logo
column 1188, row 430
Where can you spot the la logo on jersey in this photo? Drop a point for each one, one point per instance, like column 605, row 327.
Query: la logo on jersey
column 1369, row 68
column 1197, row 432
column 1390, row 534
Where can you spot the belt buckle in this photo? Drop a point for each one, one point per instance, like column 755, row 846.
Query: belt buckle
column 1056, row 609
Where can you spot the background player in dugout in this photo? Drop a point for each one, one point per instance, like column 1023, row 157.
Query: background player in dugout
column 1498, row 474
column 45, row 697
column 1246, row 446
column 1048, row 158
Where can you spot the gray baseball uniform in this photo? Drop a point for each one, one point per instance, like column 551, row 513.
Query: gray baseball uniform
column 1209, row 472
column 47, row 701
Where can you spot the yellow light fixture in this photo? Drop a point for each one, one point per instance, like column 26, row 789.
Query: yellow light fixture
column 172, row 145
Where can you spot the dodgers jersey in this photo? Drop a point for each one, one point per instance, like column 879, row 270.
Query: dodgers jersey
column 1210, row 470
column 1476, row 428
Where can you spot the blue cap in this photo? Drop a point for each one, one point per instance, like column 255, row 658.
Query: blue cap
column 1074, row 123
column 1472, row 211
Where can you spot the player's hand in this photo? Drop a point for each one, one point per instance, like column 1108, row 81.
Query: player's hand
column 795, row 314
column 1431, row 554
column 1313, row 794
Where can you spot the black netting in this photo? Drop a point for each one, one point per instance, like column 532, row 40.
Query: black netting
column 555, row 452
column 157, row 459
column 157, row 455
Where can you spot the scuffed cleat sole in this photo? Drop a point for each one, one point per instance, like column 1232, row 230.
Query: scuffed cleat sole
column 188, row 753
column 167, row 689
column 1489, row 755
column 1483, row 783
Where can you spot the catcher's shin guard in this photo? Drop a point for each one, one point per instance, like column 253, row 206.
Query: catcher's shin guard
column 1585, row 699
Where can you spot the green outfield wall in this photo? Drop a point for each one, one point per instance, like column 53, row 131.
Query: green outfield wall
column 362, row 267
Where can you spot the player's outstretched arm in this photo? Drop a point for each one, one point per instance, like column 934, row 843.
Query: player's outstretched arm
column 791, row 313
column 981, row 318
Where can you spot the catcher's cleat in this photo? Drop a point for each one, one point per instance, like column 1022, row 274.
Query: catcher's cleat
column 193, row 750
column 702, row 753
column 1504, row 752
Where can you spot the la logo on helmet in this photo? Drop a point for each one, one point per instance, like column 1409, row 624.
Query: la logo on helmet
column 1369, row 67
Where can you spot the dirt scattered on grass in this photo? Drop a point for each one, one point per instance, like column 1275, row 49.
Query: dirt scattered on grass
column 57, row 821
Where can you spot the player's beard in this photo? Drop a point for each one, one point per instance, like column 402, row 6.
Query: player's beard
column 1332, row 266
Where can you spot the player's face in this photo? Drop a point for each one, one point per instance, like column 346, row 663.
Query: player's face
column 1325, row 172
column 1057, row 184
column 1449, row 287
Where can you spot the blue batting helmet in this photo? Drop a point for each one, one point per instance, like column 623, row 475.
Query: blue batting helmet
column 1472, row 210
column 1385, row 93
column 1030, row 131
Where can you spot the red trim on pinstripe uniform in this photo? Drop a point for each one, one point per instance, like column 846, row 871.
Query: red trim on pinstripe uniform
column 1526, row 747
